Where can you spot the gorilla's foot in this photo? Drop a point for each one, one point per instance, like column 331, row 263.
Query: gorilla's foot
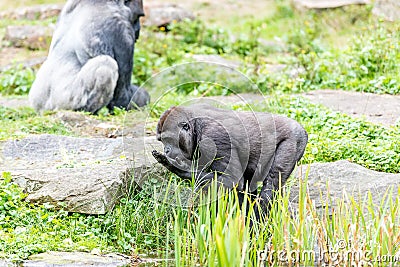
column 139, row 99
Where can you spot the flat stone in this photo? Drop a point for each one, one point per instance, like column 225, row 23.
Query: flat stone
column 14, row 102
column 323, row 4
column 70, row 259
column 37, row 12
column 33, row 63
column 382, row 109
column 387, row 9
column 29, row 36
column 343, row 176
column 162, row 14
column 5, row 263
column 85, row 175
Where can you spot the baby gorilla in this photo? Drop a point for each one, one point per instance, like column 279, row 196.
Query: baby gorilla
column 240, row 149
column 90, row 61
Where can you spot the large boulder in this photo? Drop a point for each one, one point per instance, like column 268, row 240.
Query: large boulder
column 332, row 180
column 162, row 14
column 86, row 175
column 382, row 109
column 387, row 9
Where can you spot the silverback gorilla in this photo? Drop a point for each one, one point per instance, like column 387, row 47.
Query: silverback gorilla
column 240, row 149
column 90, row 61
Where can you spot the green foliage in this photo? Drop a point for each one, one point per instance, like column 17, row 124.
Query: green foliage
column 26, row 229
column 335, row 136
column 17, row 123
column 213, row 233
column 369, row 64
column 16, row 81
column 218, row 233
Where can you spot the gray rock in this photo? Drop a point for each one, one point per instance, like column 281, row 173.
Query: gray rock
column 387, row 9
column 343, row 176
column 86, row 175
column 70, row 259
column 5, row 263
column 33, row 12
column 29, row 36
column 162, row 14
column 323, row 4
column 383, row 109
column 14, row 102
column 33, row 63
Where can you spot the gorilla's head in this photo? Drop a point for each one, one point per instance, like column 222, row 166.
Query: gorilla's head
column 137, row 11
column 178, row 131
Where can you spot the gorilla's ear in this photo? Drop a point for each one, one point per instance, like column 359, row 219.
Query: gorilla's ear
column 161, row 122
column 197, row 126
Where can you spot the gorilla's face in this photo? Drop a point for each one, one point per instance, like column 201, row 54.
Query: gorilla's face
column 136, row 8
column 178, row 134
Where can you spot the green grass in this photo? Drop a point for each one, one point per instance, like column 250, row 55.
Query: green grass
column 334, row 136
column 212, row 233
column 27, row 229
column 145, row 222
column 220, row 234
column 20, row 122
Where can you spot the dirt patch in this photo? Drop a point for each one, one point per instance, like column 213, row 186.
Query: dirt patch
column 381, row 109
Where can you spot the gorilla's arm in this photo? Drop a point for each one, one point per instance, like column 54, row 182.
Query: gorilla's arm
column 119, row 44
column 224, row 170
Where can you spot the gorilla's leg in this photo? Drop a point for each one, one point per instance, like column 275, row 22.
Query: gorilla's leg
column 131, row 98
column 94, row 85
column 285, row 159
column 140, row 97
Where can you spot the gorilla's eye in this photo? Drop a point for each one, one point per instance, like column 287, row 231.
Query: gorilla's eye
column 127, row 1
column 185, row 126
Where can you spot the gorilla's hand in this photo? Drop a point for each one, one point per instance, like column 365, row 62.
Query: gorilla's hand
column 161, row 158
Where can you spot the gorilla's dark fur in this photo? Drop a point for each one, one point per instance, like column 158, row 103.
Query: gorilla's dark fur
column 242, row 148
column 90, row 61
